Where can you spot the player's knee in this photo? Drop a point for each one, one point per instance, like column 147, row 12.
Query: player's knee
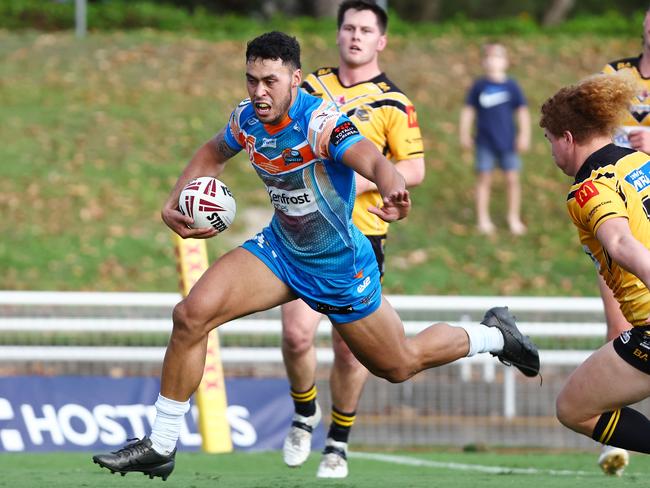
column 394, row 374
column 296, row 341
column 566, row 412
column 186, row 323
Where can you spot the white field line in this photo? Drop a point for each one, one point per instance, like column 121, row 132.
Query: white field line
column 412, row 461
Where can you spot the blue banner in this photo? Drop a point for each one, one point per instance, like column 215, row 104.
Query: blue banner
column 96, row 413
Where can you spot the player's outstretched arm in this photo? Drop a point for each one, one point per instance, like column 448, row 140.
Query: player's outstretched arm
column 366, row 160
column 208, row 160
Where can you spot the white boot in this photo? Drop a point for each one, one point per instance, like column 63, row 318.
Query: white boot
column 334, row 463
column 297, row 444
column 613, row 460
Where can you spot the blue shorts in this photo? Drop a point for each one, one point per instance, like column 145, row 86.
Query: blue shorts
column 343, row 300
column 485, row 158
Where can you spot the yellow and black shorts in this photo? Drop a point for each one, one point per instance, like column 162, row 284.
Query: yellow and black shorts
column 634, row 347
column 378, row 243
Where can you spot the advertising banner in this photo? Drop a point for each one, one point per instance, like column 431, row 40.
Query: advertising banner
column 97, row 413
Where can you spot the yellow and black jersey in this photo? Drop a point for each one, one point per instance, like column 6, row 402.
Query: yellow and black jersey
column 614, row 182
column 639, row 115
column 384, row 115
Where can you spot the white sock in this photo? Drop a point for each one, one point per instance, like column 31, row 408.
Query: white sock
column 167, row 426
column 483, row 339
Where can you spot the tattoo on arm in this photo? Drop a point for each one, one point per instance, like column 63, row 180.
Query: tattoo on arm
column 222, row 147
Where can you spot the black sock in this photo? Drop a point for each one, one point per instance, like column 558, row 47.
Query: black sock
column 305, row 402
column 625, row 428
column 341, row 425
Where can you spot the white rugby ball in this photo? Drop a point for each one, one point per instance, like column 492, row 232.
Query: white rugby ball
column 209, row 202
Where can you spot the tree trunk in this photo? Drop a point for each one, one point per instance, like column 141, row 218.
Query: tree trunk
column 557, row 12
column 325, row 8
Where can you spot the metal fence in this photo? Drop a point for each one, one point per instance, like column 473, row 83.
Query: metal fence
column 473, row 401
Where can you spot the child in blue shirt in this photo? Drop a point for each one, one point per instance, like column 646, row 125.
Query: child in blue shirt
column 493, row 101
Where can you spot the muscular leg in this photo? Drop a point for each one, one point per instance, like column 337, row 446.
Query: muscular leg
column 347, row 377
column 379, row 342
column 603, row 383
column 299, row 325
column 236, row 285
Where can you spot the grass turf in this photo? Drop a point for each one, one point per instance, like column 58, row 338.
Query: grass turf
column 258, row 470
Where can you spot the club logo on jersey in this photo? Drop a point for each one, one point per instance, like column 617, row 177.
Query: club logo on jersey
column 383, row 86
column 640, row 177
column 294, row 203
column 340, row 100
column 412, row 116
column 342, row 132
column 586, row 191
column 291, row 156
column 362, row 113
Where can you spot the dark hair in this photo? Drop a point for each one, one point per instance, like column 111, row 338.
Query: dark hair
column 274, row 45
column 380, row 13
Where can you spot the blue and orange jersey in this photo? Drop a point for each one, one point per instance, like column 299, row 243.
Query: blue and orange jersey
column 299, row 161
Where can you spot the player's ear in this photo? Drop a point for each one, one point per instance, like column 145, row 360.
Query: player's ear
column 383, row 41
column 296, row 78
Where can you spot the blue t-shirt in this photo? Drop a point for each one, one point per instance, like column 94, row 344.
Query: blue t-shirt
column 313, row 192
column 495, row 104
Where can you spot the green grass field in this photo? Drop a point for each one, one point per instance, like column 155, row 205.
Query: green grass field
column 399, row 469
column 95, row 133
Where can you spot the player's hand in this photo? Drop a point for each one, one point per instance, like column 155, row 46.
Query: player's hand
column 396, row 206
column 180, row 224
column 640, row 140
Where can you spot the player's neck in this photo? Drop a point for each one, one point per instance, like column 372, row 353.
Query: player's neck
column 644, row 64
column 351, row 75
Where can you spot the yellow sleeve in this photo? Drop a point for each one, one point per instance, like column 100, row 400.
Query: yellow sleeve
column 596, row 202
column 403, row 133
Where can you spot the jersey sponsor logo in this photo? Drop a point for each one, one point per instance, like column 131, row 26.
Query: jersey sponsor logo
column 412, row 116
column 640, row 177
column 330, row 309
column 489, row 100
column 342, row 132
column 363, row 285
column 293, row 202
column 586, row 191
column 291, row 156
column 267, row 142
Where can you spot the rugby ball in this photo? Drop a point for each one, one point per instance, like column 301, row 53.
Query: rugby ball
column 209, row 202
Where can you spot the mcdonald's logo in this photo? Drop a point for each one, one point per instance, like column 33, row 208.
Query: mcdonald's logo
column 585, row 192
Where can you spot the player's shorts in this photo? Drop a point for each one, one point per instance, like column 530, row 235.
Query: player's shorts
column 378, row 244
column 343, row 300
column 633, row 346
column 486, row 157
